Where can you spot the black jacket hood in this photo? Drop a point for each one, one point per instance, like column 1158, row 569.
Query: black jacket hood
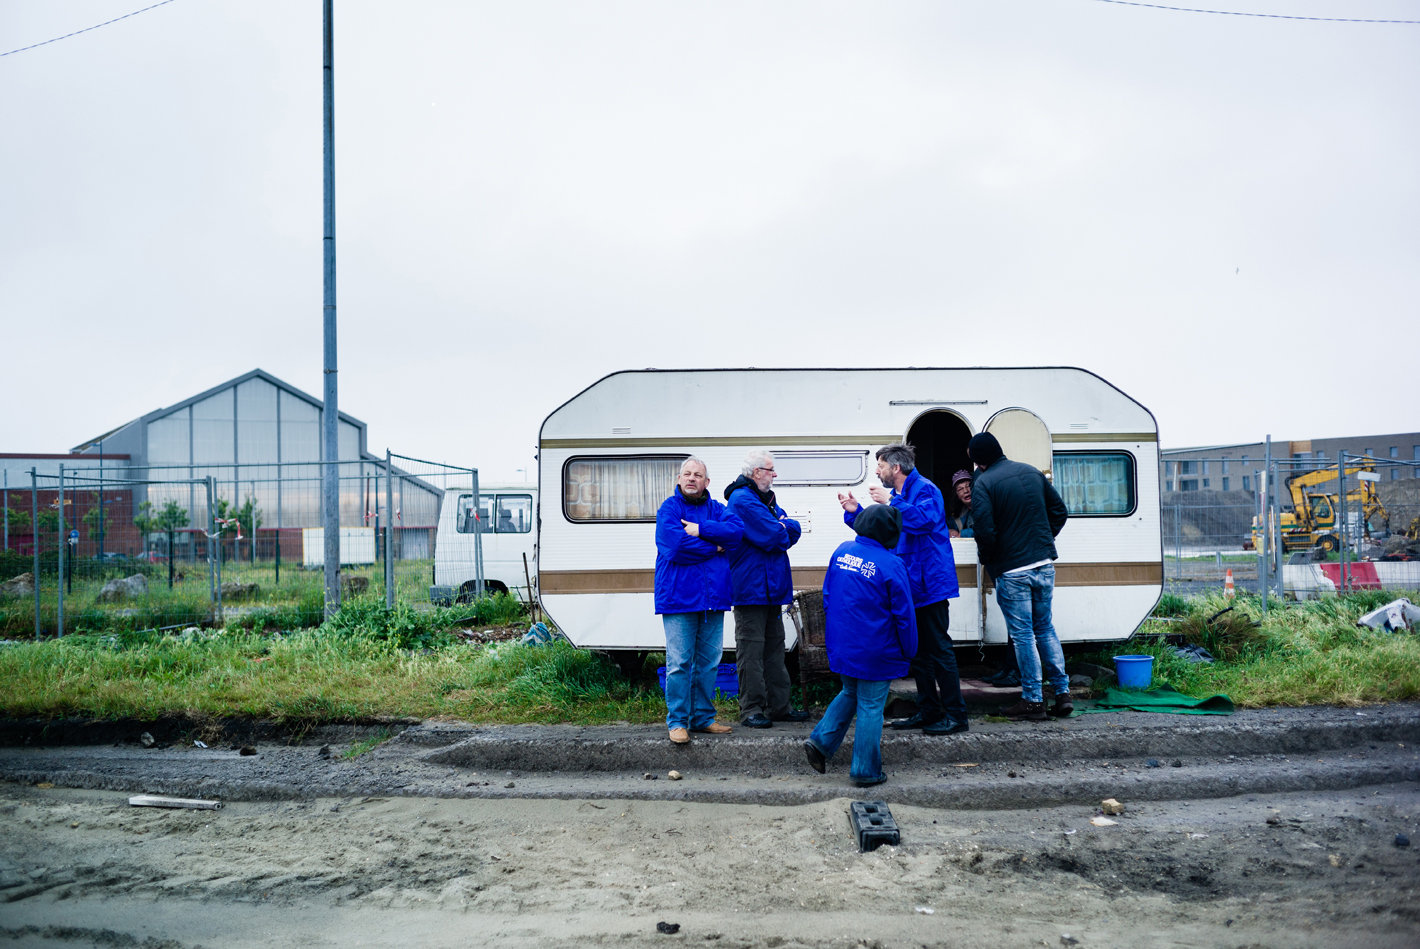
column 744, row 481
column 881, row 522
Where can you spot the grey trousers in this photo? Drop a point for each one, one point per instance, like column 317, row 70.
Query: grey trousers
column 759, row 661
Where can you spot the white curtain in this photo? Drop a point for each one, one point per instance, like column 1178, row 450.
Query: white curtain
column 1094, row 483
column 618, row 489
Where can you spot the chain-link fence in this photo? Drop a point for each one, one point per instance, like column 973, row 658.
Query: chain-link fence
column 166, row 548
column 1205, row 535
column 1304, row 528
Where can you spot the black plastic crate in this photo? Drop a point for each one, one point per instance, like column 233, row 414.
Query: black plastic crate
column 873, row 825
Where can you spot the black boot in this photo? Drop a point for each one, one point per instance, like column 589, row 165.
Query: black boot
column 1024, row 711
column 916, row 721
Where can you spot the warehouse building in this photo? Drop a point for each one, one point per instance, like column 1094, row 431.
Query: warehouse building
column 1234, row 467
column 259, row 439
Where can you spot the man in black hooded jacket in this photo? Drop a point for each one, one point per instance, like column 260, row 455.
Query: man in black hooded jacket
column 1017, row 515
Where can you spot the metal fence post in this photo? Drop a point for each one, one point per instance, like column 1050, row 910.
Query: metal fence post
column 478, row 538
column 1341, row 515
column 7, row 508
column 1259, row 533
column 34, row 539
column 61, row 551
column 1279, row 544
column 211, row 563
column 221, row 617
column 101, row 508
column 389, row 531
column 1267, row 523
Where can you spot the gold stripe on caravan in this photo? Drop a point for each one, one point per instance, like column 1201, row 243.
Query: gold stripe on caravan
column 767, row 441
column 1069, row 437
column 596, row 581
column 806, row 578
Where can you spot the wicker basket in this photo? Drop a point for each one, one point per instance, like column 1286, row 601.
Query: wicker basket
column 808, row 616
column 808, row 605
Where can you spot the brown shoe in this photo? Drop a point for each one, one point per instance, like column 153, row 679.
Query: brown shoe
column 680, row 736
column 715, row 728
column 1024, row 711
column 1063, row 706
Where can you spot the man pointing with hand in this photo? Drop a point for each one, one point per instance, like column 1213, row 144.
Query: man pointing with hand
column 925, row 547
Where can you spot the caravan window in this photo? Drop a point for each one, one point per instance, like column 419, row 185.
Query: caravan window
column 514, row 514
column 466, row 523
column 1098, row 483
column 618, row 487
column 820, row 467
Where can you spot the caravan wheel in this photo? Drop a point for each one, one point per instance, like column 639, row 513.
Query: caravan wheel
column 490, row 588
column 631, row 662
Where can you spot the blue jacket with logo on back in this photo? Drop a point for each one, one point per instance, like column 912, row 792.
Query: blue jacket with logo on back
column 691, row 574
column 925, row 545
column 871, row 629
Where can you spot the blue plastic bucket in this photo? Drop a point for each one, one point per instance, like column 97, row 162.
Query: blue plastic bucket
column 1134, row 672
column 727, row 681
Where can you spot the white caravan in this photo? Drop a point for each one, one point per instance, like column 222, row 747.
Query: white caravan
column 506, row 512
column 609, row 456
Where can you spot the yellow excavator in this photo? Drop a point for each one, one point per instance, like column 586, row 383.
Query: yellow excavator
column 1314, row 516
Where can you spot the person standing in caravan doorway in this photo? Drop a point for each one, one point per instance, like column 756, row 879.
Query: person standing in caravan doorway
column 871, row 635
column 693, row 531
column 926, row 548
column 759, row 573
column 1018, row 516
column 959, row 523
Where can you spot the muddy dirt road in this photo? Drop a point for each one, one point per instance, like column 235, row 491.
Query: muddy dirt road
column 82, row 868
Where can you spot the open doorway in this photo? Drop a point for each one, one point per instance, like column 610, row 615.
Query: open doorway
column 939, row 439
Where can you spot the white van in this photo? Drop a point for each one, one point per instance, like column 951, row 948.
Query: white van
column 609, row 456
column 506, row 513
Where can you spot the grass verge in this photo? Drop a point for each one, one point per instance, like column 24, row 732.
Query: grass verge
column 371, row 663
column 1305, row 653
column 367, row 663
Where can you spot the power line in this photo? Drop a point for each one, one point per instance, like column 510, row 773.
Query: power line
column 86, row 29
column 1269, row 16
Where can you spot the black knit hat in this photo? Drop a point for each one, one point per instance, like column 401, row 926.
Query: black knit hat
column 984, row 449
column 881, row 522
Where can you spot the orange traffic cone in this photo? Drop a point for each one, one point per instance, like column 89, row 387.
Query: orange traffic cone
column 1228, row 584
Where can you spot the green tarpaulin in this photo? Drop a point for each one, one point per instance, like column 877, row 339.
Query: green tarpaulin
column 1160, row 699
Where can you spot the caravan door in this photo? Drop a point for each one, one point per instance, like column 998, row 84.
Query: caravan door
column 939, row 436
column 1023, row 437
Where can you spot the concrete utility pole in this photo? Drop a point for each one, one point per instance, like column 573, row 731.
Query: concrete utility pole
column 330, row 471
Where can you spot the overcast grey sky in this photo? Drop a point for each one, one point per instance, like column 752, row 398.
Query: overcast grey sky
column 1218, row 214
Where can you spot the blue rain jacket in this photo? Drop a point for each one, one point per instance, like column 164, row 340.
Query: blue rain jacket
column 759, row 566
column 925, row 546
column 691, row 575
column 871, row 627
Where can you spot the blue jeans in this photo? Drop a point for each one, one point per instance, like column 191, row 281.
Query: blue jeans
column 694, row 644
column 862, row 700
column 1024, row 599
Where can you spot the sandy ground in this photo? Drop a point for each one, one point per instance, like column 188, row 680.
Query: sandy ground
column 82, row 868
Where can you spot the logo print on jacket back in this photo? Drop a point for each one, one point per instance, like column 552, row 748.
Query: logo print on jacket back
column 849, row 562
